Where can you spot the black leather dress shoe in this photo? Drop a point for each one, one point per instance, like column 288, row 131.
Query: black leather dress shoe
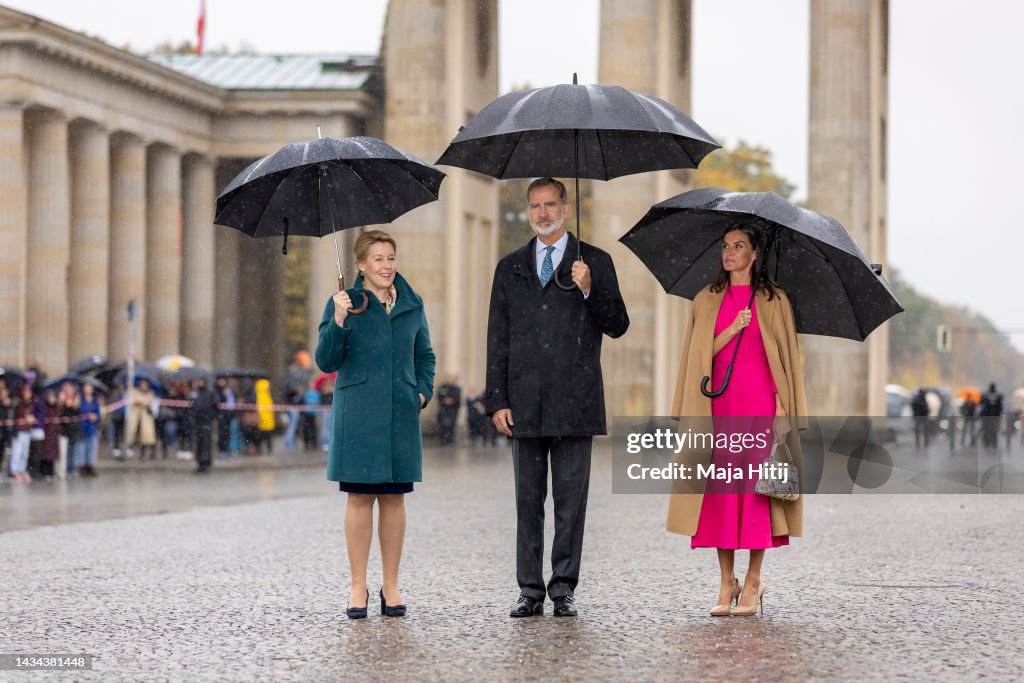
column 565, row 606
column 527, row 607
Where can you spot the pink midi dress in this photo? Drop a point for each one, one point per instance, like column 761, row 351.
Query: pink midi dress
column 731, row 514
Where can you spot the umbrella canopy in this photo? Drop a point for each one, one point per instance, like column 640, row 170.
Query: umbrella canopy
column 577, row 131
column 14, row 377
column 315, row 188
column 835, row 291
column 79, row 381
column 173, row 362
column 243, row 373
column 189, row 373
column 972, row 393
column 585, row 131
column 89, row 365
column 117, row 374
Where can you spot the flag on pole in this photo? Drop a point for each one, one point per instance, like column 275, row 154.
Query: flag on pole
column 201, row 27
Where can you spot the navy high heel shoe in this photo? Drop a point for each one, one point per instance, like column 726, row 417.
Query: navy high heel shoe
column 390, row 610
column 358, row 612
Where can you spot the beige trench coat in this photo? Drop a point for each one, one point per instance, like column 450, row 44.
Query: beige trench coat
column 778, row 331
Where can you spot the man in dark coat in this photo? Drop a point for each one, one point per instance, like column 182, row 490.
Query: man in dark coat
column 991, row 410
column 544, row 386
column 202, row 413
column 449, row 399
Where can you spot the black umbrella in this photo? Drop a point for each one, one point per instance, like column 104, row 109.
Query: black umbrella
column 79, row 381
column 13, row 377
column 317, row 188
column 579, row 131
column 243, row 373
column 188, row 374
column 835, row 291
column 89, row 365
column 117, row 373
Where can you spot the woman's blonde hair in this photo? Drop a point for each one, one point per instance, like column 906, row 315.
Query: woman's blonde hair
column 368, row 239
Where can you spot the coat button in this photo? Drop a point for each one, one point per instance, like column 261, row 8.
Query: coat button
column 546, row 345
column 544, row 307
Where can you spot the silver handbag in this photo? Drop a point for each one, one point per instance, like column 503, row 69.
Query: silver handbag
column 779, row 477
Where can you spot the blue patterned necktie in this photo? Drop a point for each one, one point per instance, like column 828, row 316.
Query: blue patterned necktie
column 547, row 269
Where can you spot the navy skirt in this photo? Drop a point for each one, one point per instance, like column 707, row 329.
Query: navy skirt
column 375, row 489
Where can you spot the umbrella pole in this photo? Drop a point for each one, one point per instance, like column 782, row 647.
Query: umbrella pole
column 337, row 249
column 579, row 248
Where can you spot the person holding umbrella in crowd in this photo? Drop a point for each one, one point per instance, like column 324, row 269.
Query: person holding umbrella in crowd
column 385, row 377
column 767, row 384
column 545, row 389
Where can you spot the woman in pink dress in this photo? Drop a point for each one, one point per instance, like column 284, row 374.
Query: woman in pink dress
column 731, row 516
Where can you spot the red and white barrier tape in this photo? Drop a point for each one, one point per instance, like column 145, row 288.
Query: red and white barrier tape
column 176, row 403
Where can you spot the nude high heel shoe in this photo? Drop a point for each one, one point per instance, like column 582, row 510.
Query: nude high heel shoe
column 752, row 610
column 723, row 610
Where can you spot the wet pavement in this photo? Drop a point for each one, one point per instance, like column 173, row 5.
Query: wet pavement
column 241, row 575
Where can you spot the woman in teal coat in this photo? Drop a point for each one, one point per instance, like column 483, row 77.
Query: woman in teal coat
column 385, row 369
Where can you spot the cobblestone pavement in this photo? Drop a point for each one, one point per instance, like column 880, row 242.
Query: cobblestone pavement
column 225, row 587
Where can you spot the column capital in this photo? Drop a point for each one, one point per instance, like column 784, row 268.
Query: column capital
column 198, row 159
column 83, row 123
column 46, row 114
column 158, row 147
column 123, row 137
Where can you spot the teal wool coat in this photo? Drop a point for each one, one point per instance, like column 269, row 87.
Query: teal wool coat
column 383, row 364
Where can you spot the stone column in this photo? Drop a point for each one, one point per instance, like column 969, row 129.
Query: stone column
column 163, row 251
column 199, row 273
column 416, row 106
column 846, row 179
column 90, row 240
column 261, row 304
column 127, row 243
column 227, row 299
column 13, row 234
column 49, row 232
column 645, row 47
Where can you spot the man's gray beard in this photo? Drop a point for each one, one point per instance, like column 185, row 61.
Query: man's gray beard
column 555, row 227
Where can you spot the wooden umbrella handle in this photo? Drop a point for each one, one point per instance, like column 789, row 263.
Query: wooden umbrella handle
column 366, row 299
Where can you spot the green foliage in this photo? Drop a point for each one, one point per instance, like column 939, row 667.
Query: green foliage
column 743, row 168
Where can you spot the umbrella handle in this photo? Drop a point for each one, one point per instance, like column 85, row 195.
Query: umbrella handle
column 564, row 288
column 728, row 371
column 366, row 299
column 717, row 392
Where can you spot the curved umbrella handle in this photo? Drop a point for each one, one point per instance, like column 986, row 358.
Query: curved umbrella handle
column 564, row 288
column 717, row 392
column 366, row 299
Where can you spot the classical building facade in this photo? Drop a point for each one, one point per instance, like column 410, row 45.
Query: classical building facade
column 110, row 164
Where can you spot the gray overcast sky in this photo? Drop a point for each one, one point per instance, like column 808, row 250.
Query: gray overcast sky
column 954, row 114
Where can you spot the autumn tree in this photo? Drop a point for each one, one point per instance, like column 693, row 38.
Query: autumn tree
column 743, row 168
